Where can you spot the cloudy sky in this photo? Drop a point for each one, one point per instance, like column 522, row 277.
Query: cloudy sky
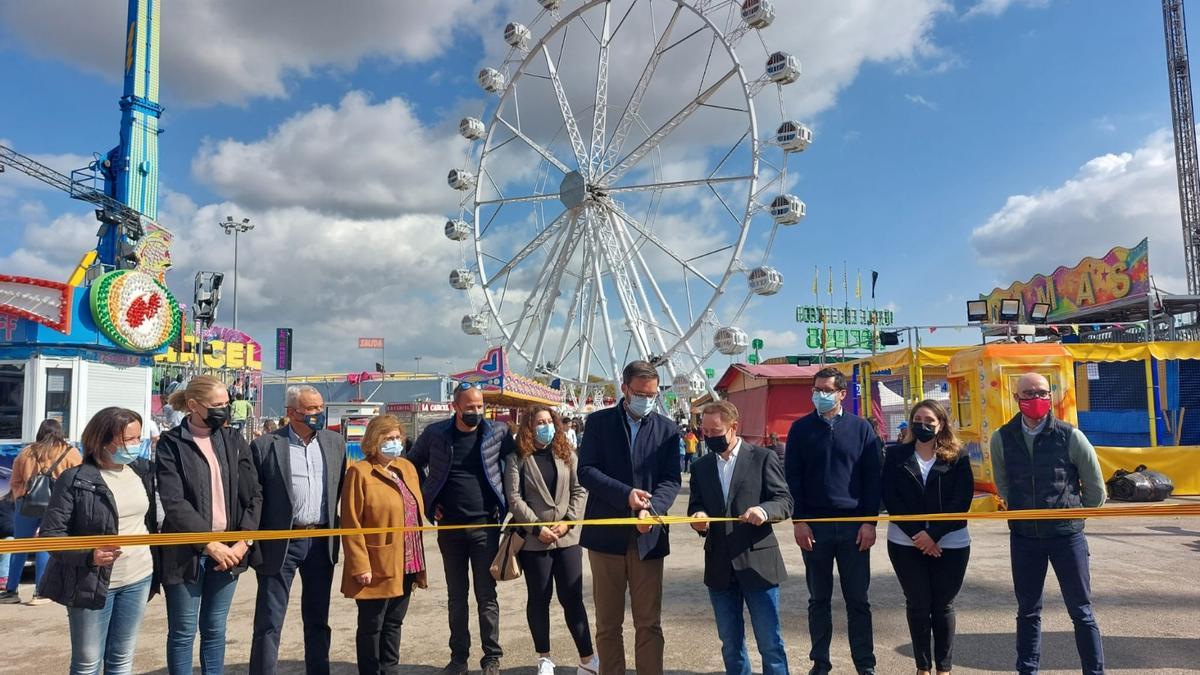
column 959, row 146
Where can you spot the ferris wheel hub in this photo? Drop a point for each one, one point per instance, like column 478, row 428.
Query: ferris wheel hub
column 573, row 190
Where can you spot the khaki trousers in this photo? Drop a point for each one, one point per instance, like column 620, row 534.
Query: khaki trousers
column 611, row 576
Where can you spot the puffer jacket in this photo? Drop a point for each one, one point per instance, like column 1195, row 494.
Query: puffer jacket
column 82, row 505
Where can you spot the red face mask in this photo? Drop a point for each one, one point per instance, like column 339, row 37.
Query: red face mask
column 1034, row 408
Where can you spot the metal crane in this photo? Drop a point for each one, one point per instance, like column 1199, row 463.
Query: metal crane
column 128, row 204
column 1187, row 162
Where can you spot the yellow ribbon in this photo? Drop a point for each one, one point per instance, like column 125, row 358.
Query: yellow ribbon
column 35, row 544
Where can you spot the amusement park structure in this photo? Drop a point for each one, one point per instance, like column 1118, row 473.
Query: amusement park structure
column 1183, row 117
column 69, row 348
column 606, row 219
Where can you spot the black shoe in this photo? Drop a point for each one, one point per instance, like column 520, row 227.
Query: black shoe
column 820, row 669
column 490, row 666
column 868, row 671
column 454, row 668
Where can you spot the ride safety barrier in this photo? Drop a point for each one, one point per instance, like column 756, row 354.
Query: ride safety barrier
column 35, row 544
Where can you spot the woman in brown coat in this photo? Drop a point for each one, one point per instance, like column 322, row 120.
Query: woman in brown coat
column 380, row 570
column 542, row 486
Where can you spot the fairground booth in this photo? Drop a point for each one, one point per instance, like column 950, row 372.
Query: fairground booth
column 505, row 392
column 1086, row 330
column 768, row 398
column 230, row 355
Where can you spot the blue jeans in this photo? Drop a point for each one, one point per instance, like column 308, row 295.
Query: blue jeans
column 764, row 619
column 23, row 527
column 203, row 603
column 1069, row 557
column 834, row 542
column 4, row 568
column 107, row 637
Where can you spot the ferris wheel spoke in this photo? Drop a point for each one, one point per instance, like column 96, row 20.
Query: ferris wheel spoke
column 630, row 115
column 619, row 273
column 532, row 144
column 540, row 288
column 652, row 238
column 521, row 199
column 600, row 113
column 552, row 291
column 672, row 185
column 602, row 302
column 572, row 313
column 633, row 158
column 564, row 107
column 529, row 248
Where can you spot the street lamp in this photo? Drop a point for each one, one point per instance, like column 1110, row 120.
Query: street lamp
column 235, row 229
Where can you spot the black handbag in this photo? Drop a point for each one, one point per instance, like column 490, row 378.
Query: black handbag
column 38, row 489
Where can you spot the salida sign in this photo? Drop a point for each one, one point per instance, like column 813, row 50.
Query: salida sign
column 1121, row 274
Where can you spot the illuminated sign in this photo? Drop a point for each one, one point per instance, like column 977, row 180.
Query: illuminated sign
column 283, row 349
column 370, row 343
column 833, row 327
column 134, row 310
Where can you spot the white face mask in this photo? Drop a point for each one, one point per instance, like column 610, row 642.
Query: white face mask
column 392, row 448
column 641, row 406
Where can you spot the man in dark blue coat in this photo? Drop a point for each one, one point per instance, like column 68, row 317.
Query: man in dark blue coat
column 462, row 461
column 629, row 463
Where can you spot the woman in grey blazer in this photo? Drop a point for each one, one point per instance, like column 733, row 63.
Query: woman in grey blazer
column 541, row 485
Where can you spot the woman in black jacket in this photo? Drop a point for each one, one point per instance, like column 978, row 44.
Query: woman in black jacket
column 208, row 483
column 928, row 473
column 104, row 589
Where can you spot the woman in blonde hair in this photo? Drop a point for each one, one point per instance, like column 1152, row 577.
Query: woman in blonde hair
column 207, row 483
column 49, row 453
column 929, row 473
column 382, row 490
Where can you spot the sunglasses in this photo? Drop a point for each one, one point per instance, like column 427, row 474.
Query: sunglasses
column 463, row 386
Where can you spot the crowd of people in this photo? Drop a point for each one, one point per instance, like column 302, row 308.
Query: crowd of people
column 474, row 475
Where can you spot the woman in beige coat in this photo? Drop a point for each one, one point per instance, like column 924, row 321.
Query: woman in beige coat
column 380, row 570
column 541, row 486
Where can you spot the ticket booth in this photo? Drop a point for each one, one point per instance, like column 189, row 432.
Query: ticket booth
column 983, row 381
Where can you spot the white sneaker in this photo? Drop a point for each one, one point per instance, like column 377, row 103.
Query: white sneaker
column 545, row 666
column 592, row 667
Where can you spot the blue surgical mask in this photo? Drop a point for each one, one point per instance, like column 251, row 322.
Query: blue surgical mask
column 544, row 433
column 641, row 406
column 824, row 401
column 392, row 448
column 126, row 454
column 316, row 421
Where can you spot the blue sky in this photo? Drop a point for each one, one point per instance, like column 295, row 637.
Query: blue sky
column 929, row 118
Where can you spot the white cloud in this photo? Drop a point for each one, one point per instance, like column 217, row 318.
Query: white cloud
column 1113, row 200
column 998, row 7
column 397, row 165
column 917, row 99
column 233, row 51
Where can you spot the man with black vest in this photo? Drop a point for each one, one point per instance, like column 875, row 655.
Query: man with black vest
column 1040, row 462
column 462, row 458
column 834, row 464
column 629, row 463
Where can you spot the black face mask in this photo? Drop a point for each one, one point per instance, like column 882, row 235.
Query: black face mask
column 717, row 444
column 217, row 417
column 923, row 432
column 471, row 419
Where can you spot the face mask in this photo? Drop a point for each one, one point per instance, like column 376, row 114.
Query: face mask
column 1034, row 408
column 640, row 406
column 392, row 448
column 126, row 454
column 923, row 432
column 471, row 419
column 717, row 444
column 544, row 433
column 316, row 421
column 824, row 402
column 216, row 418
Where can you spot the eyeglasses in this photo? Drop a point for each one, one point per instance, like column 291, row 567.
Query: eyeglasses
column 463, row 386
column 1035, row 393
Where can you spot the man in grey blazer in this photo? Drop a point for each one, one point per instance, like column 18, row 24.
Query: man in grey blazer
column 742, row 563
column 300, row 467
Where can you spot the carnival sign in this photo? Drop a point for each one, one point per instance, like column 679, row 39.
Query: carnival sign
column 45, row 302
column 1123, row 273
column 134, row 310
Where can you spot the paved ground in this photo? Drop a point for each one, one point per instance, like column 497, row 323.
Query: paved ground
column 1146, row 579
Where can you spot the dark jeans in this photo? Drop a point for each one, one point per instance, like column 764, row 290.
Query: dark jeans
column 561, row 567
column 834, row 542
column 311, row 558
column 378, row 638
column 467, row 555
column 764, row 620
column 1069, row 557
column 24, row 526
column 930, row 585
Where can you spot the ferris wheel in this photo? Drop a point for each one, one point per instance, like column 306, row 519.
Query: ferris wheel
column 624, row 194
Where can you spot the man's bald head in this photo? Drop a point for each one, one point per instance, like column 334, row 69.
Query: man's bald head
column 1032, row 382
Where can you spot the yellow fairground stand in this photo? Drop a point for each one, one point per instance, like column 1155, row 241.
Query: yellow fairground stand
column 982, row 383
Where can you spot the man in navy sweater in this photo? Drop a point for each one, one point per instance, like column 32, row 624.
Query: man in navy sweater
column 833, row 465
